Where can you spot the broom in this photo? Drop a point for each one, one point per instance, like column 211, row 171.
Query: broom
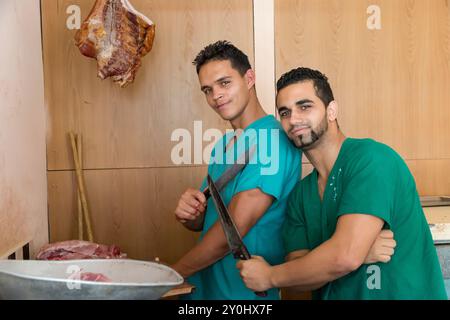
column 82, row 203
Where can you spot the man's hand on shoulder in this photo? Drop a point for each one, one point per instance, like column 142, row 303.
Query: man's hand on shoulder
column 383, row 248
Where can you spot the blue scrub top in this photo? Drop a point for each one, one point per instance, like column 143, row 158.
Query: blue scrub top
column 275, row 169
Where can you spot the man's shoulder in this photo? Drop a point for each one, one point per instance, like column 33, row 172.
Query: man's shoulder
column 220, row 144
column 369, row 150
column 269, row 137
column 367, row 144
column 279, row 136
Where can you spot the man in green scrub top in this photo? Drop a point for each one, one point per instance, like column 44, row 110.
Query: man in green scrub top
column 357, row 188
column 256, row 197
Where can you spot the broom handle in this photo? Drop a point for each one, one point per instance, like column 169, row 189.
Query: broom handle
column 80, row 208
column 81, row 187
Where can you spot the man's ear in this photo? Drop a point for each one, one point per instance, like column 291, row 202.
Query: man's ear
column 332, row 111
column 250, row 78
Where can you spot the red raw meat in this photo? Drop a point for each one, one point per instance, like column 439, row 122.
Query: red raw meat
column 89, row 276
column 96, row 277
column 76, row 249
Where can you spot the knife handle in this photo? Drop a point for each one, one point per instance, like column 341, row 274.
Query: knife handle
column 261, row 294
column 207, row 193
column 243, row 254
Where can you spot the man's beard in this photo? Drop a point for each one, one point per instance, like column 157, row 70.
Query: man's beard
column 307, row 141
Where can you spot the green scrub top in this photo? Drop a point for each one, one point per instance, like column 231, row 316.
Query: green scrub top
column 275, row 169
column 368, row 178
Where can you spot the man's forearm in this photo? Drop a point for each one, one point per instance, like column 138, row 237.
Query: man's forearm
column 302, row 288
column 312, row 271
column 212, row 248
column 306, row 288
column 343, row 253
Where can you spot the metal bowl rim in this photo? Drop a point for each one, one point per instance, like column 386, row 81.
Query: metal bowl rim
column 114, row 284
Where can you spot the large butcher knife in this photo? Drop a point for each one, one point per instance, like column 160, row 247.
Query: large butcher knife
column 231, row 172
column 237, row 246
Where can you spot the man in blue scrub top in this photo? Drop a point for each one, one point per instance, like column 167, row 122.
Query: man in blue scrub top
column 256, row 197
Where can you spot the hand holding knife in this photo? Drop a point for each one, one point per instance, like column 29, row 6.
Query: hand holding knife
column 220, row 183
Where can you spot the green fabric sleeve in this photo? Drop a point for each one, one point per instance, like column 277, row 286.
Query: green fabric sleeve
column 294, row 228
column 369, row 186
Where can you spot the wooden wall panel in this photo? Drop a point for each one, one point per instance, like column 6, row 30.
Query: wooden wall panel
column 132, row 127
column 432, row 176
column 132, row 208
column 264, row 34
column 392, row 84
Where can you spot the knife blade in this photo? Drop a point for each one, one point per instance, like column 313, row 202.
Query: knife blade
column 231, row 172
column 221, row 182
column 235, row 243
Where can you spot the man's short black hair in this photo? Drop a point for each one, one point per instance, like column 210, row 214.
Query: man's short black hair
column 223, row 50
column 320, row 82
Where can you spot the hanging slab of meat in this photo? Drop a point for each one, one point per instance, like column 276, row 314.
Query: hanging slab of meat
column 117, row 36
column 76, row 249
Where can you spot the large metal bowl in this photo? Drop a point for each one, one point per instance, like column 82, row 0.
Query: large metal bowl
column 54, row 280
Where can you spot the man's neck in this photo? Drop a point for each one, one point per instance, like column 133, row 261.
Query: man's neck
column 252, row 112
column 324, row 155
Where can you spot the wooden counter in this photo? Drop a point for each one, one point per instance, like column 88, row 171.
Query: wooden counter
column 185, row 288
column 437, row 214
